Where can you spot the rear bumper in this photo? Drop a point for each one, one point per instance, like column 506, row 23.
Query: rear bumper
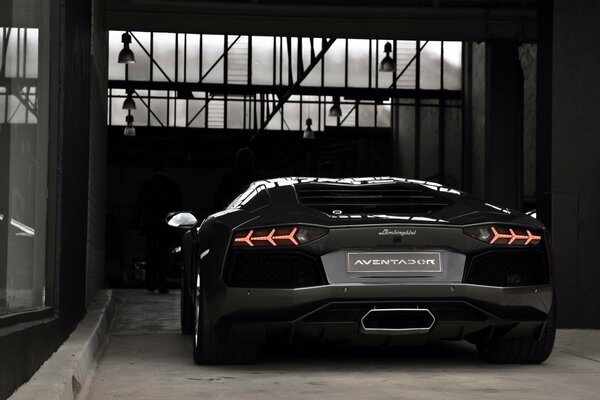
column 334, row 312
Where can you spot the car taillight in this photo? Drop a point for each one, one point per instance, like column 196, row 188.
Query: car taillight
column 504, row 235
column 275, row 237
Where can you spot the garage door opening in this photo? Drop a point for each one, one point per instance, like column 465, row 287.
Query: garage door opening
column 214, row 112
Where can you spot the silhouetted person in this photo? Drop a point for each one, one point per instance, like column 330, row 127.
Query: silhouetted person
column 157, row 197
column 237, row 179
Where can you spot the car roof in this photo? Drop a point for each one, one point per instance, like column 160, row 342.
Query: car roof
column 358, row 183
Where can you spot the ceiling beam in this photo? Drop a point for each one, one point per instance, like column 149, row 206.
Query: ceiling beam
column 474, row 20
column 232, row 89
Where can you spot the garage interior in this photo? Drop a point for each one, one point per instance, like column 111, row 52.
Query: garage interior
column 220, row 93
column 495, row 98
column 200, row 97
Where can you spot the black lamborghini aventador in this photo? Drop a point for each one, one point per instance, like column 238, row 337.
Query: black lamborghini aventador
column 366, row 261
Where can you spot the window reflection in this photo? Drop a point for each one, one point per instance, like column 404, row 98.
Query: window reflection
column 24, row 55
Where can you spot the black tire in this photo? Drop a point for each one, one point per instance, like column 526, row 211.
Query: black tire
column 212, row 347
column 521, row 350
column 187, row 309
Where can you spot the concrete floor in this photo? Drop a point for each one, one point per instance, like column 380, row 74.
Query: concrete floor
column 147, row 358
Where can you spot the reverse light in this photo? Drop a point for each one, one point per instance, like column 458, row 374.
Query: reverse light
column 276, row 237
column 504, row 235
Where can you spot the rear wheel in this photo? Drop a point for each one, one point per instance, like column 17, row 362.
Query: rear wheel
column 521, row 350
column 187, row 309
column 212, row 347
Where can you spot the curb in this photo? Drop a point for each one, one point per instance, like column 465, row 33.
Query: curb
column 68, row 371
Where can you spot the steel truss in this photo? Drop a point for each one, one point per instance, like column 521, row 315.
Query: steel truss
column 262, row 102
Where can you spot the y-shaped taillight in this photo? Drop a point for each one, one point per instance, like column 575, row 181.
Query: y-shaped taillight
column 504, row 235
column 277, row 236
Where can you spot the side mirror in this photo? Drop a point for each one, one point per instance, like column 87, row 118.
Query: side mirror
column 183, row 220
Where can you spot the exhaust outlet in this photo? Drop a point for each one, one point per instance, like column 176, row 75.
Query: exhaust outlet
column 397, row 321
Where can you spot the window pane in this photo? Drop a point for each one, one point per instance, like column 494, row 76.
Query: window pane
column 334, row 64
column 314, row 77
column 406, row 64
column 358, row 63
column 452, row 65
column 23, row 162
column 430, row 65
column 164, row 56
column 262, row 60
column 212, row 49
column 140, row 70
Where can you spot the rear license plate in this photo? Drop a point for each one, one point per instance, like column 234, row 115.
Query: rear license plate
column 394, row 262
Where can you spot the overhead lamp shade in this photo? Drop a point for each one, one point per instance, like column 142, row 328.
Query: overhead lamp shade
column 126, row 56
column 387, row 64
column 335, row 110
column 308, row 132
column 129, row 103
column 129, row 129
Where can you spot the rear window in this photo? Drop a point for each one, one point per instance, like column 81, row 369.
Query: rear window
column 372, row 199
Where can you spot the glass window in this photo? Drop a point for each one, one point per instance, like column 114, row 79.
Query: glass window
column 431, row 65
column 212, row 62
column 358, row 63
column 262, row 60
column 406, row 65
column 452, row 65
column 23, row 156
column 334, row 64
column 199, row 58
column 140, row 70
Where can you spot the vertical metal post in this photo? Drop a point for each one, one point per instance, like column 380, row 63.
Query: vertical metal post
column 377, row 63
column 466, row 106
column 185, row 35
column 417, row 149
column 225, row 76
column 319, row 113
column 274, row 60
column 249, row 62
column 151, row 66
column 176, row 57
column 370, row 62
column 244, row 111
column 299, row 60
column 200, row 50
column 394, row 72
column 206, row 109
column 441, row 123
column 187, row 101
column 300, row 109
column 281, row 60
column 346, row 63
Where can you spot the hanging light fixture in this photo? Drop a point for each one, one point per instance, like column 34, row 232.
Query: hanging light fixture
column 126, row 55
column 129, row 103
column 308, row 132
column 129, row 129
column 388, row 64
column 335, row 110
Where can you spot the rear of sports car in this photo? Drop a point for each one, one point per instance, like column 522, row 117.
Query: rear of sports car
column 378, row 265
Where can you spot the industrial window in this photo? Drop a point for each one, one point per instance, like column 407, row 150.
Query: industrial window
column 241, row 82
